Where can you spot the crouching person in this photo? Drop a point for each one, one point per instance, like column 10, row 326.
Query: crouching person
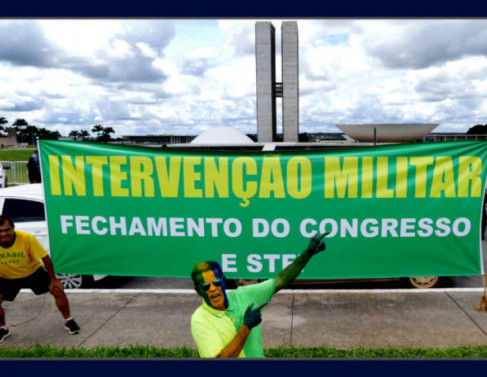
column 25, row 263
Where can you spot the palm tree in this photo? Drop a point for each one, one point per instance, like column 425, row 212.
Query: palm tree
column 20, row 126
column 84, row 134
column 103, row 133
column 74, row 134
column 97, row 128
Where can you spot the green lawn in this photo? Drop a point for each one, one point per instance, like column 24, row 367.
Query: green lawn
column 15, row 155
column 20, row 172
column 286, row 352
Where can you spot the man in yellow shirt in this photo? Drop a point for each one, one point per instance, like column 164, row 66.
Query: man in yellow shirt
column 24, row 263
column 227, row 324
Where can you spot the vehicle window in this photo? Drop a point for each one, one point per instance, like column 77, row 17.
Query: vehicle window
column 21, row 210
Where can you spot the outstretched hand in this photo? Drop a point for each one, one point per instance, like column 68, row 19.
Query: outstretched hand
column 316, row 244
column 253, row 317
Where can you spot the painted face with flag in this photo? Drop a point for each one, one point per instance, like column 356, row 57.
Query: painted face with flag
column 210, row 284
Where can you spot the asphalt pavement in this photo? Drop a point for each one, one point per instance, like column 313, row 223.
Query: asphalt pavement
column 331, row 318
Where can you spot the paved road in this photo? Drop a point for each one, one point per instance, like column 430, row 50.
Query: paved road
column 311, row 318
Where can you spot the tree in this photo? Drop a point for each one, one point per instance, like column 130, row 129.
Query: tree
column 478, row 130
column 30, row 134
column 83, row 134
column 97, row 128
column 74, row 134
column 80, row 135
column 44, row 134
column 103, row 133
column 27, row 133
column 20, row 126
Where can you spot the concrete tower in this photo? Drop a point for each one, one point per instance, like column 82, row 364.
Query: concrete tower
column 265, row 55
column 290, row 86
column 267, row 88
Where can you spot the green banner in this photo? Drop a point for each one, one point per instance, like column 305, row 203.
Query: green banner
column 393, row 211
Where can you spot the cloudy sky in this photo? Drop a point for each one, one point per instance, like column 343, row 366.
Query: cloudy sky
column 175, row 76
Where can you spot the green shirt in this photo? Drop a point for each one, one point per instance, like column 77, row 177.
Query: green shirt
column 213, row 329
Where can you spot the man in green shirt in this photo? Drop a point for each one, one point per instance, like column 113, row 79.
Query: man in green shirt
column 228, row 324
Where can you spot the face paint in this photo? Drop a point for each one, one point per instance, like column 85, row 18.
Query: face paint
column 214, row 294
column 217, row 283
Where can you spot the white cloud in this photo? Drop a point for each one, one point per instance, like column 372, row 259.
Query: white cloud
column 120, row 50
column 183, row 76
column 146, row 50
column 80, row 36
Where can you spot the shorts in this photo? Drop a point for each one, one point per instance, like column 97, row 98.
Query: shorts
column 38, row 282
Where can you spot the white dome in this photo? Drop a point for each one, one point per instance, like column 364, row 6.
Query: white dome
column 222, row 136
column 387, row 132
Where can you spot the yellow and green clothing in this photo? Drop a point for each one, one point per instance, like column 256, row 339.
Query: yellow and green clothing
column 22, row 258
column 213, row 329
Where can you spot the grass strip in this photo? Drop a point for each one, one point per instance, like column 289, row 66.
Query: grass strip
column 16, row 154
column 284, row 352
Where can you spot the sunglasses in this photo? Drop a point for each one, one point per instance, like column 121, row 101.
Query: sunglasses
column 216, row 283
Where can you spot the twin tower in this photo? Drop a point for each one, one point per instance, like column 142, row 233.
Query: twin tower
column 267, row 87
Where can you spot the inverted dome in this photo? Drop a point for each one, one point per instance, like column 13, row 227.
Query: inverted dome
column 222, row 136
column 391, row 132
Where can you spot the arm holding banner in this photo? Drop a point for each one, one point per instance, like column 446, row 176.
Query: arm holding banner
column 253, row 317
column 291, row 272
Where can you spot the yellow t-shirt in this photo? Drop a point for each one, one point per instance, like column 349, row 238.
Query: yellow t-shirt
column 22, row 258
column 212, row 330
